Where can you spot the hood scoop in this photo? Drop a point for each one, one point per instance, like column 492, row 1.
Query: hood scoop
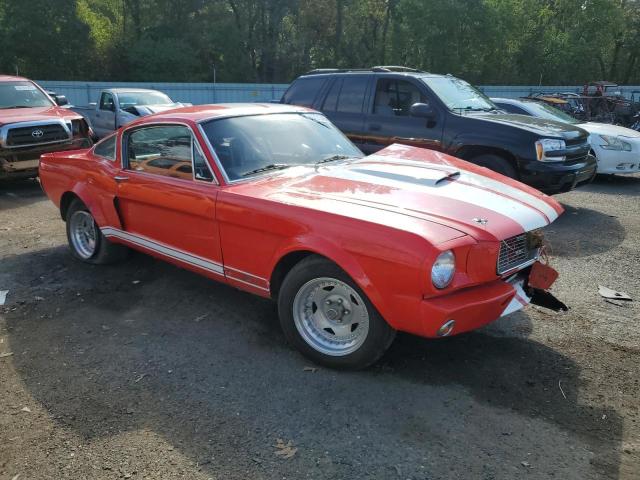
column 424, row 176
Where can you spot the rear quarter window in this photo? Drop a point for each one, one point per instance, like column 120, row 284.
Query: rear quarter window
column 106, row 148
column 304, row 91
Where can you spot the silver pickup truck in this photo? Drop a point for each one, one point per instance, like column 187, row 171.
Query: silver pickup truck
column 119, row 106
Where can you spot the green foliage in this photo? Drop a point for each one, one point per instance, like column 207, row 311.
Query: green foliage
column 483, row 41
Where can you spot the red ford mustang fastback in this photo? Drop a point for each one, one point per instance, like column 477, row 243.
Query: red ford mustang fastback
column 274, row 200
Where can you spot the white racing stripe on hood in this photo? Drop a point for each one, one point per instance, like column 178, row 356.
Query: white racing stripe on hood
column 510, row 191
column 527, row 217
column 477, row 179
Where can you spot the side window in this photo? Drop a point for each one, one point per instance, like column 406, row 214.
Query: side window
column 162, row 150
column 106, row 148
column 106, row 102
column 395, row 97
column 304, row 91
column 331, row 102
column 351, row 96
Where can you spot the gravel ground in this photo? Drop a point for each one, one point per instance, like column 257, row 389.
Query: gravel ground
column 143, row 370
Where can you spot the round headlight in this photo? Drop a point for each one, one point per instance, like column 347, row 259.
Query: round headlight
column 443, row 269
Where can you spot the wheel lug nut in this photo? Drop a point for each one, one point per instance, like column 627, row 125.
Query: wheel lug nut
column 347, row 312
column 328, row 302
column 339, row 300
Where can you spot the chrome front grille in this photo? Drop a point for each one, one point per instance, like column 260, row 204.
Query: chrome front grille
column 515, row 252
column 31, row 135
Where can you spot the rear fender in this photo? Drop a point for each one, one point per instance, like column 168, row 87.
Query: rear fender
column 97, row 208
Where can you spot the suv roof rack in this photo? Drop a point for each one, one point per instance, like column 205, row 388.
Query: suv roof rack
column 379, row 68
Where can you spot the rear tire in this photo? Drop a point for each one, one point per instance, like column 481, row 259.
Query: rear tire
column 327, row 317
column 497, row 164
column 86, row 241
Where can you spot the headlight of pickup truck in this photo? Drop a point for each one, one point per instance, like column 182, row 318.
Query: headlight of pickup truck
column 547, row 145
column 614, row 143
column 443, row 269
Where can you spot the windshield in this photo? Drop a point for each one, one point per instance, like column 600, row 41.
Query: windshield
column 132, row 99
column 22, row 94
column 542, row 110
column 252, row 144
column 458, row 94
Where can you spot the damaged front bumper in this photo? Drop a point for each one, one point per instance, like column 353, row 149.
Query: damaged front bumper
column 18, row 163
column 472, row 308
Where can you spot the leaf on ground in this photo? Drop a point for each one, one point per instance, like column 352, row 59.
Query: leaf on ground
column 26, row 409
column 285, row 450
column 7, row 354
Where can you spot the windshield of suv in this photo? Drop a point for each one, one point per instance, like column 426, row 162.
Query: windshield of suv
column 542, row 110
column 22, row 94
column 253, row 144
column 132, row 99
column 458, row 94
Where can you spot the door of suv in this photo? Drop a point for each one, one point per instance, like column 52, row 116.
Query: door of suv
column 345, row 103
column 389, row 119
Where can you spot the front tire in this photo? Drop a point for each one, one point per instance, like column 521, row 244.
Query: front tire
column 326, row 316
column 86, row 241
column 497, row 164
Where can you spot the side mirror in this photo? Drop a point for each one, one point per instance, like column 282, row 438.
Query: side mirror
column 422, row 110
column 61, row 100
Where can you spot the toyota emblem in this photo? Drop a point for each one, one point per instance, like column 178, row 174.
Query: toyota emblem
column 37, row 133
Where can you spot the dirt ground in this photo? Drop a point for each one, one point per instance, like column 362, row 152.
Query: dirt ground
column 143, row 370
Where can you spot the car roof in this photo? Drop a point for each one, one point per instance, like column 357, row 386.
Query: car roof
column 374, row 72
column 199, row 113
column 10, row 78
column 130, row 90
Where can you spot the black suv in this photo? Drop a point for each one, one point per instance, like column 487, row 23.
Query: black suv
column 383, row 105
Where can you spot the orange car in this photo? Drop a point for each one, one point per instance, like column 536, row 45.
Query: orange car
column 281, row 204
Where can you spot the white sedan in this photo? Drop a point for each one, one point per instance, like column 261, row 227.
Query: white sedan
column 617, row 149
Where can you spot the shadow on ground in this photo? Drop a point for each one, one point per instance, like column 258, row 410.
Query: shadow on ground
column 628, row 185
column 18, row 193
column 580, row 232
column 147, row 346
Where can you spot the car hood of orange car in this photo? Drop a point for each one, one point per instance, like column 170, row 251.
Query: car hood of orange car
column 409, row 181
column 35, row 114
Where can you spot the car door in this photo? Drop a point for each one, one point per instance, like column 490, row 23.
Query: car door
column 167, row 196
column 105, row 118
column 345, row 102
column 389, row 117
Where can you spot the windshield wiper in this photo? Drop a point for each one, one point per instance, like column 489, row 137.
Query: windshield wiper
column 266, row 168
column 333, row 158
column 14, row 106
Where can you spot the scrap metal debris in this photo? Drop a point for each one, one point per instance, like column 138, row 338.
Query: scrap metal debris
column 3, row 296
column 606, row 292
column 284, row 450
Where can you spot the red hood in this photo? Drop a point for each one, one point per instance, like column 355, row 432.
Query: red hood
column 14, row 115
column 402, row 181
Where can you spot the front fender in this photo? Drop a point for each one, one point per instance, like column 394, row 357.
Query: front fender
column 344, row 259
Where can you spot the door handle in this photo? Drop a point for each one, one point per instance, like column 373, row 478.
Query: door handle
column 120, row 178
column 374, row 127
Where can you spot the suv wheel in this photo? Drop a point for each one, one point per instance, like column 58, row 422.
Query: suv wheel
column 497, row 164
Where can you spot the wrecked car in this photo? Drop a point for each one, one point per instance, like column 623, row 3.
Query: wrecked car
column 118, row 106
column 276, row 201
column 31, row 123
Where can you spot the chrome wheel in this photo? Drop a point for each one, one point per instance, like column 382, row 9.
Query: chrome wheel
column 83, row 233
column 331, row 316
